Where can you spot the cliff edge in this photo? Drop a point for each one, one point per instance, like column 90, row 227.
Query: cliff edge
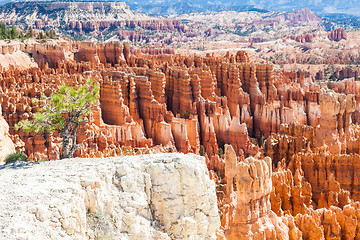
column 161, row 196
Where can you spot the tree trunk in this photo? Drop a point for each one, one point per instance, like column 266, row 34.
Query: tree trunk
column 68, row 133
column 65, row 153
column 74, row 146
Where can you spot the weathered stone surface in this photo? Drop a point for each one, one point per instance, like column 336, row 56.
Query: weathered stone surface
column 247, row 210
column 6, row 144
column 164, row 196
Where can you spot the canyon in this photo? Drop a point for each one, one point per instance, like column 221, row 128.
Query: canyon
column 281, row 147
column 270, row 100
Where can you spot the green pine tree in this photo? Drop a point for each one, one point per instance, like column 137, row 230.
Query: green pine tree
column 52, row 33
column 63, row 112
column 14, row 32
column 3, row 31
column 41, row 35
column 30, row 32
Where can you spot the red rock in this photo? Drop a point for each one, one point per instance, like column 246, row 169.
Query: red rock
column 338, row 34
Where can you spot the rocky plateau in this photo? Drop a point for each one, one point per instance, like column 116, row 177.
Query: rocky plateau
column 162, row 196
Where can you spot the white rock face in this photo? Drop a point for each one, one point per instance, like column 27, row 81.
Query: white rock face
column 160, row 196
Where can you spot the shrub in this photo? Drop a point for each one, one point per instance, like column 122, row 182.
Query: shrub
column 185, row 115
column 220, row 152
column 64, row 112
column 100, row 224
column 13, row 157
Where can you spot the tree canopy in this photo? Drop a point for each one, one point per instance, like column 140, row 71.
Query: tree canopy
column 63, row 112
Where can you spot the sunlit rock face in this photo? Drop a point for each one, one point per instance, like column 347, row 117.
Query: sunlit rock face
column 291, row 145
column 161, row 196
column 6, row 144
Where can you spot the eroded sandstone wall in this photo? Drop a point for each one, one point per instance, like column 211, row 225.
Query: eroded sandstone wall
column 316, row 178
column 158, row 101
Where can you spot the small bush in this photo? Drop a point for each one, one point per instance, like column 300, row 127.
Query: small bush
column 13, row 157
column 100, row 224
column 220, row 152
column 185, row 115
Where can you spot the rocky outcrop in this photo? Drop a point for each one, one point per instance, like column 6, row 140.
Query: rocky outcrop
column 297, row 17
column 315, row 178
column 334, row 129
column 87, row 20
column 335, row 119
column 314, row 189
column 6, row 144
column 165, row 196
column 12, row 56
column 304, row 38
column 246, row 209
column 338, row 34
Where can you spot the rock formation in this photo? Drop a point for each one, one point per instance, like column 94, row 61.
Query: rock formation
column 12, row 56
column 246, row 209
column 338, row 34
column 6, row 144
column 164, row 99
column 164, row 196
column 291, row 145
column 315, row 178
column 304, row 38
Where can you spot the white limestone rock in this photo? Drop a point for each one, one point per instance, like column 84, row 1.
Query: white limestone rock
column 161, row 196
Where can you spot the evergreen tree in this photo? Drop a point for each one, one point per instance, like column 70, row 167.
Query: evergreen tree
column 3, row 31
column 41, row 35
column 52, row 33
column 14, row 32
column 63, row 112
column 30, row 32
column 21, row 34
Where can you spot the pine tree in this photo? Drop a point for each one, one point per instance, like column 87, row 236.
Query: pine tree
column 30, row 32
column 52, row 33
column 14, row 32
column 63, row 112
column 3, row 31
column 41, row 35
